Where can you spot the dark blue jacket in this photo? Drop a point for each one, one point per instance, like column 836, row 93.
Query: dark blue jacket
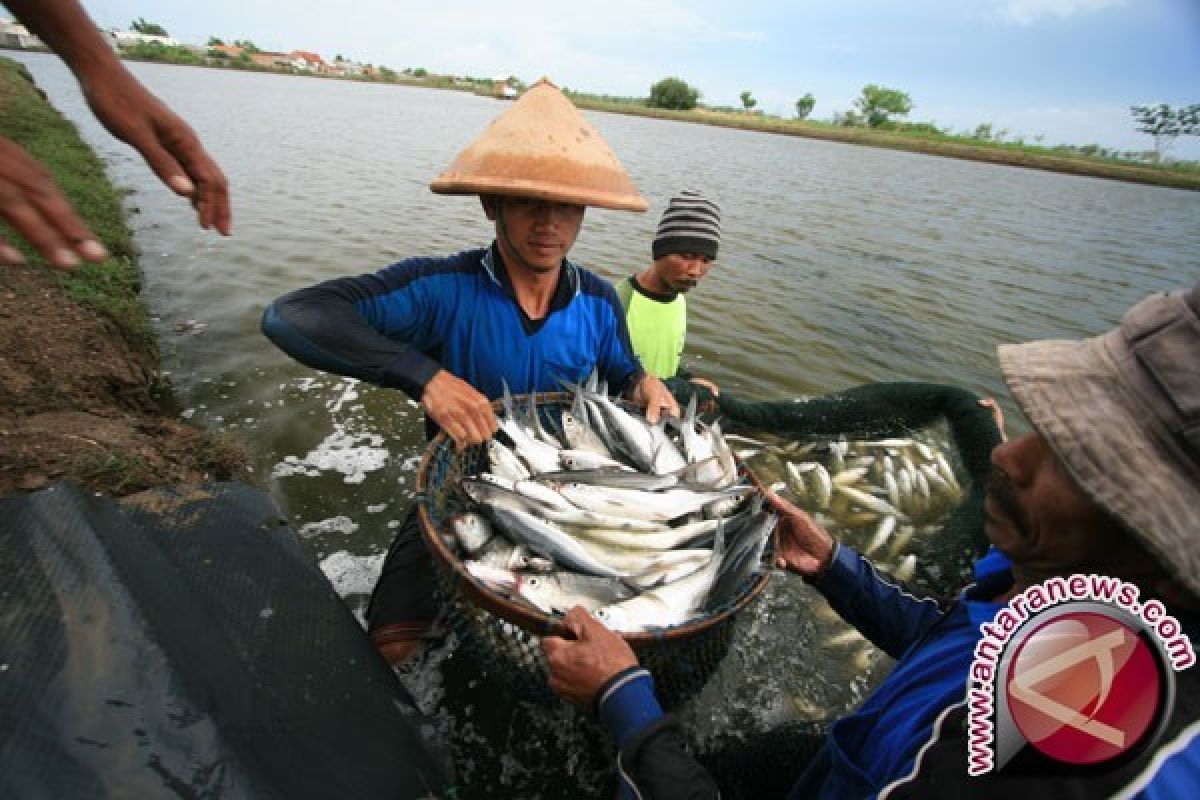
column 908, row 738
column 399, row 326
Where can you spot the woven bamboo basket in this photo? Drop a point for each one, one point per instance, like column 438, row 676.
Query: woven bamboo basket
column 503, row 634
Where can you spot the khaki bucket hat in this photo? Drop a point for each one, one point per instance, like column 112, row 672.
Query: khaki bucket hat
column 542, row 147
column 1122, row 412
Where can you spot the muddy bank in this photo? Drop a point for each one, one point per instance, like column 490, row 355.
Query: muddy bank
column 81, row 393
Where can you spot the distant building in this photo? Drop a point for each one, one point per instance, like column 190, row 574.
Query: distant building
column 230, row 51
column 344, row 67
column 14, row 34
column 306, row 61
column 504, row 86
column 272, row 60
column 131, row 38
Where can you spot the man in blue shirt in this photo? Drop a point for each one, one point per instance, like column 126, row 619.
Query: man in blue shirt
column 1108, row 483
column 452, row 332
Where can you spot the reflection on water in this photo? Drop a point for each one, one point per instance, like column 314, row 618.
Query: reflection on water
column 839, row 265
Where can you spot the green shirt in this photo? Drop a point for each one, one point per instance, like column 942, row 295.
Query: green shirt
column 657, row 327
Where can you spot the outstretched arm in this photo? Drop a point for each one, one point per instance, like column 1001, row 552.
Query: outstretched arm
column 883, row 610
column 128, row 110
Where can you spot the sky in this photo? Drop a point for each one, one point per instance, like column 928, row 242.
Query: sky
column 1048, row 71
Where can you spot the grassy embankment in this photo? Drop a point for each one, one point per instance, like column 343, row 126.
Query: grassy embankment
column 1179, row 176
column 111, row 287
column 81, row 392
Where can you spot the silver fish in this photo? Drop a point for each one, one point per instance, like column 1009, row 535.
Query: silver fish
column 560, row 591
column 586, row 459
column 472, row 531
column 868, row 501
column 504, row 462
column 493, row 493
column 579, row 435
column 549, row 540
column 655, row 506
column 670, row 604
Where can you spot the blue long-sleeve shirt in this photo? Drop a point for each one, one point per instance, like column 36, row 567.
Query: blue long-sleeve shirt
column 880, row 749
column 397, row 327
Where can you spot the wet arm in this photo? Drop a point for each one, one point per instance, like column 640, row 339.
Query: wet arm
column 881, row 608
column 129, row 111
column 324, row 327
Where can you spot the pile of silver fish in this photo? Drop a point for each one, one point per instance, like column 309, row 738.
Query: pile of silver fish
column 877, row 495
column 646, row 526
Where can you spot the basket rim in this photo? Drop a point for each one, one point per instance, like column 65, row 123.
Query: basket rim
column 531, row 619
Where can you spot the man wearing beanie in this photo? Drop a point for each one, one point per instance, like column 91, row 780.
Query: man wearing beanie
column 1104, row 491
column 684, row 248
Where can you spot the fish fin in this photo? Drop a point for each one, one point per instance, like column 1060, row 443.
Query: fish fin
column 507, row 400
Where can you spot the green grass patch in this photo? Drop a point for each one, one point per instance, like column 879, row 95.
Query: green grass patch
column 111, row 287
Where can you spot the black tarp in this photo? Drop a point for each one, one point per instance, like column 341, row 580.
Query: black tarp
column 181, row 643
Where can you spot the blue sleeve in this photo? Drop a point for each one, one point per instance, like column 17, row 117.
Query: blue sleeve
column 370, row 327
column 653, row 762
column 627, row 704
column 882, row 611
column 1178, row 775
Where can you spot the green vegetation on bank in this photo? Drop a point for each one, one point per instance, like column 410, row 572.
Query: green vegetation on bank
column 979, row 145
column 111, row 287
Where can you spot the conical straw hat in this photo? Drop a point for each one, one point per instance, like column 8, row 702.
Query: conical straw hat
column 542, row 147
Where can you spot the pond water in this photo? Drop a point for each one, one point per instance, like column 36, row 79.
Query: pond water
column 840, row 265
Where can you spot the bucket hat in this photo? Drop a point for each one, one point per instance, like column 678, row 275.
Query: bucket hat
column 1122, row 413
column 542, row 147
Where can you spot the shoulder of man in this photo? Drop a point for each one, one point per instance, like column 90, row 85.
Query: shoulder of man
column 624, row 290
column 592, row 285
column 941, row 766
column 410, row 269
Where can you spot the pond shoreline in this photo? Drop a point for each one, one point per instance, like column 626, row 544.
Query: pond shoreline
column 82, row 395
column 1003, row 154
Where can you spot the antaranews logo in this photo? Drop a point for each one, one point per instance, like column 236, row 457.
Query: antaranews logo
column 1076, row 668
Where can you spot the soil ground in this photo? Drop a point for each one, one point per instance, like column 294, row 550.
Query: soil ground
column 81, row 393
column 78, row 402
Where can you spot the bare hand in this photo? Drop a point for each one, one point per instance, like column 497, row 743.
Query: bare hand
column 33, row 205
column 459, row 409
column 580, row 666
column 801, row 545
column 653, row 395
column 997, row 414
column 167, row 143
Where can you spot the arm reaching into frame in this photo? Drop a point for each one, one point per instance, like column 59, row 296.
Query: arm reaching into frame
column 30, row 201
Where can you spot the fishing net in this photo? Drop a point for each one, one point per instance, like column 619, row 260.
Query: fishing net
column 939, row 541
column 870, row 421
column 504, row 635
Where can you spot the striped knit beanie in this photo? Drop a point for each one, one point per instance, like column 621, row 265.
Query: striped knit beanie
column 691, row 224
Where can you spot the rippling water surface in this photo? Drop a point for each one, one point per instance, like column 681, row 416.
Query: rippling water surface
column 839, row 265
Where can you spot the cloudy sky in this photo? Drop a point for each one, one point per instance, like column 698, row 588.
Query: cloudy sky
column 1064, row 70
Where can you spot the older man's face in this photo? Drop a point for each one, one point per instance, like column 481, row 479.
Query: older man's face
column 1037, row 514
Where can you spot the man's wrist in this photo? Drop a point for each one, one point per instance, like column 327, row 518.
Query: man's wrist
column 626, row 703
column 826, row 563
